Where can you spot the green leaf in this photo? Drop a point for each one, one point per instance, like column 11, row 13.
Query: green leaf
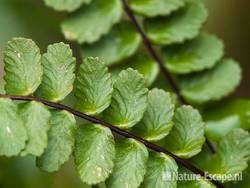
column 234, row 107
column 182, row 25
column 59, row 66
column 232, row 154
column 244, row 182
column 120, row 43
column 157, row 120
column 221, row 118
column 61, row 137
column 152, row 8
column 160, row 82
column 199, row 183
column 94, row 153
column 92, row 21
column 144, row 64
column 65, row 5
column 36, row 121
column 202, row 158
column 196, row 183
column 22, row 67
column 93, row 87
column 215, row 130
column 213, row 84
column 161, row 170
column 129, row 100
column 201, row 53
column 130, row 165
column 187, row 135
column 2, row 83
column 12, row 132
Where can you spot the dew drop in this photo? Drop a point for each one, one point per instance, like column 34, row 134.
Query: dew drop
column 98, row 172
column 69, row 35
column 8, row 130
column 126, row 185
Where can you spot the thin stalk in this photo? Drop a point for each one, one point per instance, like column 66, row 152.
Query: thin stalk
column 158, row 60
column 114, row 129
column 153, row 53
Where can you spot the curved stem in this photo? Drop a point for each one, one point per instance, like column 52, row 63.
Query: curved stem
column 158, row 60
column 114, row 129
column 153, row 53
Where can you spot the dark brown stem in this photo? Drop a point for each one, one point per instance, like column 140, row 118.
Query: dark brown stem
column 156, row 57
column 114, row 129
column 210, row 146
column 153, row 53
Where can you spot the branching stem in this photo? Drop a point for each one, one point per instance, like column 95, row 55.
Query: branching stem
column 114, row 129
column 156, row 57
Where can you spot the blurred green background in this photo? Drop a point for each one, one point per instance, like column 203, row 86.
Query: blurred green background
column 229, row 19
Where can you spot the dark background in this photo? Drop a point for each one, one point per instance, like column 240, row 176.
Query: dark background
column 229, row 19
